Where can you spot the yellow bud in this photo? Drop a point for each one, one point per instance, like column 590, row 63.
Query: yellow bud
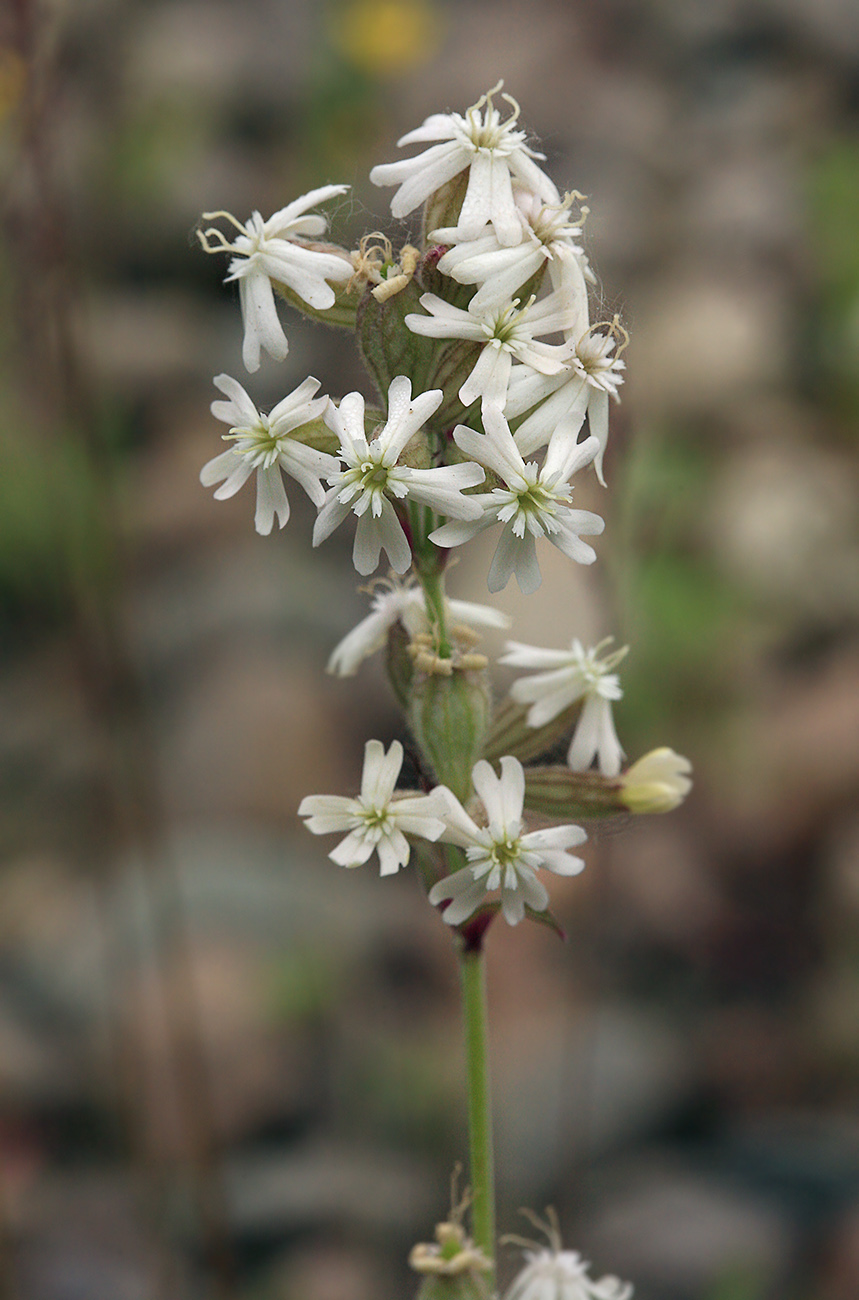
column 657, row 783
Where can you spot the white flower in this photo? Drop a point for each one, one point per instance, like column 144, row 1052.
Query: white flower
column 534, row 502
column 406, row 603
column 265, row 443
column 493, row 151
column 657, row 783
column 372, row 477
column 583, row 388
column 499, row 855
column 563, row 1275
column 378, row 820
column 548, row 237
column 570, row 675
column 506, row 332
column 270, row 251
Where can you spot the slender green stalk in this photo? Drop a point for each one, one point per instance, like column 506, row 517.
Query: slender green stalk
column 482, row 1173
column 433, row 585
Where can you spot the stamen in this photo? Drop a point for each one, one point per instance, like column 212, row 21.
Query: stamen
column 222, row 245
column 514, row 117
column 228, row 216
column 615, row 330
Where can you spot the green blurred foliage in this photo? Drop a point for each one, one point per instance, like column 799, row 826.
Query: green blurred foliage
column 686, row 622
column 833, row 194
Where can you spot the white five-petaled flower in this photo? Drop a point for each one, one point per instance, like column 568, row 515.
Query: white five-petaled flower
column 404, row 602
column 533, row 503
column 501, row 855
column 372, row 476
column 267, row 444
column 567, row 676
column 582, row 388
column 273, row 251
column 495, row 154
column 555, row 1274
column 548, row 238
column 378, row 820
column 505, row 332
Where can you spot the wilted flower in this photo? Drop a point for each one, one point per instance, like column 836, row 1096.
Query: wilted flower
column 405, row 603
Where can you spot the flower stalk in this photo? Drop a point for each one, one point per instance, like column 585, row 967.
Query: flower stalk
column 494, row 391
column 472, row 969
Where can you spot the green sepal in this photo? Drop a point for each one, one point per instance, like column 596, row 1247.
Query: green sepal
column 316, row 434
column 400, row 665
column 341, row 315
column 444, row 205
column 467, row 1285
column 448, row 716
column 557, row 792
column 388, row 347
column 510, row 733
column 546, row 918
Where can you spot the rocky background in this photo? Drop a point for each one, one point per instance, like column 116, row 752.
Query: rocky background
column 227, row 1068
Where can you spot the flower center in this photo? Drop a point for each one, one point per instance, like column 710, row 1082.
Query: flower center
column 376, row 819
column 504, row 853
column 533, row 507
column 256, row 442
column 509, row 324
column 486, row 131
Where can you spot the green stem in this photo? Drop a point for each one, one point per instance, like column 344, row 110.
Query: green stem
column 433, row 585
column 473, row 977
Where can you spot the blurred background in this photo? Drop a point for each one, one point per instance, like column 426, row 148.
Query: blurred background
column 229, row 1069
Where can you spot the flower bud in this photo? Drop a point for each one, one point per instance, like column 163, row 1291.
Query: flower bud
column 657, row 783
column 453, row 1267
column 558, row 792
column 511, row 734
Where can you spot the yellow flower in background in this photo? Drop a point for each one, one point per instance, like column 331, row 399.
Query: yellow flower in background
column 13, row 74
column 385, row 37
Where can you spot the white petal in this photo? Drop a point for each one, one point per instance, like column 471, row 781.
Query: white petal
column 464, row 892
column 330, row 517
column 220, row 468
column 380, row 772
column 505, row 559
column 271, row 500
column 262, row 327
column 364, row 640
column 353, row 851
column 489, row 790
column 240, row 409
column 489, row 378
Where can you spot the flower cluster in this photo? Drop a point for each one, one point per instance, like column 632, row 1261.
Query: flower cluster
column 491, row 384
column 493, row 379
